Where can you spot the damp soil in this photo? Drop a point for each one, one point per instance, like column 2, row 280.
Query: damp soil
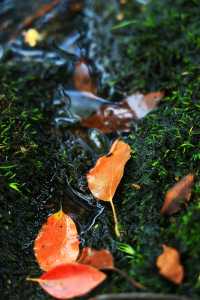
column 134, row 46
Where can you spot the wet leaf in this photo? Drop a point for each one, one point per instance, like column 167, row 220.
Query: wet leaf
column 70, row 280
column 32, row 37
column 82, row 78
column 111, row 118
column 178, row 195
column 121, row 116
column 169, row 265
column 99, row 259
column 57, row 242
column 106, row 175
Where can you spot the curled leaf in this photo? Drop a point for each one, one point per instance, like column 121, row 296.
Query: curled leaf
column 106, row 175
column 70, row 280
column 99, row 259
column 82, row 78
column 180, row 193
column 169, row 265
column 57, row 242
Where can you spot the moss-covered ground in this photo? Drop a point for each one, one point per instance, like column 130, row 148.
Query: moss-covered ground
column 159, row 49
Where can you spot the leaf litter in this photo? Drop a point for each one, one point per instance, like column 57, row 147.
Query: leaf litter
column 64, row 278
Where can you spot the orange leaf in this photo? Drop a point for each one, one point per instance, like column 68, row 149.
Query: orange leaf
column 99, row 259
column 83, row 80
column 105, row 177
column 57, row 242
column 70, row 280
column 170, row 266
column 179, row 193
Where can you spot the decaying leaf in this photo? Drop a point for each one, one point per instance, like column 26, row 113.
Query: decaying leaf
column 105, row 177
column 141, row 104
column 99, row 259
column 178, row 195
column 57, row 242
column 169, row 265
column 70, row 280
column 111, row 118
column 82, row 78
column 32, row 37
column 121, row 116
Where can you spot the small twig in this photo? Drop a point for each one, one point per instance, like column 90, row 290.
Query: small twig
column 42, row 11
column 139, row 296
column 133, row 282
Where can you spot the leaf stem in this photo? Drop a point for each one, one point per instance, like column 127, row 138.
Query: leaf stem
column 132, row 281
column 115, row 219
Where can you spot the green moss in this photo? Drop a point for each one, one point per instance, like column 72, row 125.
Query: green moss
column 26, row 165
column 160, row 51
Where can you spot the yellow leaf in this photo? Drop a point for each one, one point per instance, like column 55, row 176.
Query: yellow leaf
column 32, row 37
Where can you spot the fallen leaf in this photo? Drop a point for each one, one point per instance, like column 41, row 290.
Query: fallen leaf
column 82, row 77
column 141, row 104
column 32, row 37
column 70, row 280
column 57, row 242
column 99, row 259
column 180, row 193
column 121, row 116
column 111, row 117
column 169, row 265
column 105, row 177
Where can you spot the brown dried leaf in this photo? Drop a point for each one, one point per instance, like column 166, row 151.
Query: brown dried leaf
column 99, row 259
column 180, row 193
column 82, row 78
column 111, row 118
column 169, row 265
column 121, row 116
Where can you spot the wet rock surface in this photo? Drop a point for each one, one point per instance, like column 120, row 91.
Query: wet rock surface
column 44, row 157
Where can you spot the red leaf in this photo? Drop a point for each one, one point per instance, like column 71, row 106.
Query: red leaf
column 57, row 242
column 70, row 280
column 169, row 265
column 99, row 259
column 180, row 193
